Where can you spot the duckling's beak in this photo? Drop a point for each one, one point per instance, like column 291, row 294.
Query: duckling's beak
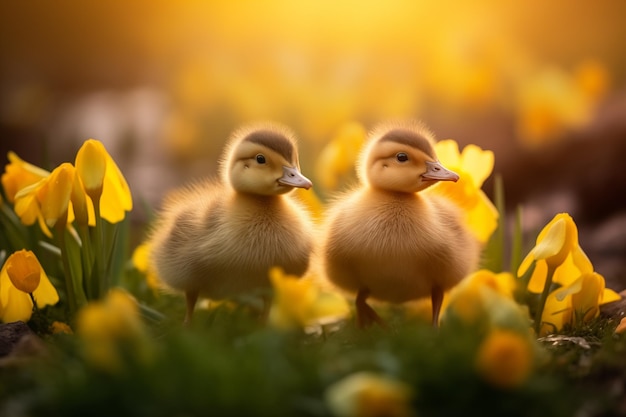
column 437, row 172
column 293, row 177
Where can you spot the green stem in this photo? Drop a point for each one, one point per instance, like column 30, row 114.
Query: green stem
column 544, row 298
column 101, row 283
column 32, row 297
column 69, row 279
column 87, row 258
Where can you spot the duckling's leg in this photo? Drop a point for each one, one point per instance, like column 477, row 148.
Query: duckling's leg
column 436, row 297
column 365, row 315
column 191, row 296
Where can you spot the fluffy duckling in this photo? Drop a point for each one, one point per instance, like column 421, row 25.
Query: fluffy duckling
column 219, row 238
column 387, row 240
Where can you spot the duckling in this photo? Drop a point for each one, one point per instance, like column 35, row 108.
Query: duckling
column 219, row 238
column 386, row 239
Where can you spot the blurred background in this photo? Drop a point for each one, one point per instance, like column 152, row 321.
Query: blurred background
column 162, row 85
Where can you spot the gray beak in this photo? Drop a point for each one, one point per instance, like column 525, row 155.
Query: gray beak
column 293, row 177
column 436, row 172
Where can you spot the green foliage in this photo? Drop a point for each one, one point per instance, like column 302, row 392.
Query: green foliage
column 229, row 363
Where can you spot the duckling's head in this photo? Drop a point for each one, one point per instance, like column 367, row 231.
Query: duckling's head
column 400, row 157
column 262, row 159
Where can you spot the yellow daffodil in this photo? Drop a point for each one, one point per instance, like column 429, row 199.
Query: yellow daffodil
column 140, row 260
column 505, row 358
column 110, row 328
column 103, row 181
column 337, row 158
column 299, row 302
column 47, row 200
column 553, row 100
column 19, row 174
column 366, row 394
column 486, row 299
column 473, row 165
column 22, row 275
column 559, row 259
column 578, row 302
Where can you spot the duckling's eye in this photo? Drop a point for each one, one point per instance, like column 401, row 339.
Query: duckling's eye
column 402, row 157
column 260, row 159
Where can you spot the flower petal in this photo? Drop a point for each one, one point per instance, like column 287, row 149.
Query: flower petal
column 478, row 163
column 116, row 198
column 448, row 153
column 552, row 241
column 482, row 219
column 45, row 294
column 16, row 305
column 91, row 164
column 23, row 269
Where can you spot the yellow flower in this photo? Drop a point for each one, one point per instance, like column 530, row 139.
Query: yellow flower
column 24, row 271
column 141, row 261
column 299, row 302
column 485, row 298
column 337, row 158
column 366, row 394
column 505, row 358
column 103, row 181
column 559, row 259
column 47, row 200
column 58, row 327
column 578, row 302
column 109, row 327
column 552, row 101
column 22, row 274
column 556, row 241
column 19, row 174
column 473, row 165
column 91, row 165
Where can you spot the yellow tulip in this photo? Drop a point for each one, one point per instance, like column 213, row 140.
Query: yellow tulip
column 338, row 157
column 485, row 298
column 19, row 174
column 91, row 165
column 110, row 326
column 366, row 394
column 24, row 271
column 22, row 274
column 103, row 181
column 299, row 302
column 505, row 358
column 474, row 166
column 55, row 194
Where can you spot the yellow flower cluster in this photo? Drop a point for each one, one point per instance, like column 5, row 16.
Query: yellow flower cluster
column 300, row 303
column 559, row 261
column 53, row 199
column 474, row 165
column 484, row 302
column 112, row 330
column 82, row 194
column 366, row 394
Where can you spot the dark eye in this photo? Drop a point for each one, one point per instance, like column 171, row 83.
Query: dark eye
column 260, row 159
column 402, row 157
